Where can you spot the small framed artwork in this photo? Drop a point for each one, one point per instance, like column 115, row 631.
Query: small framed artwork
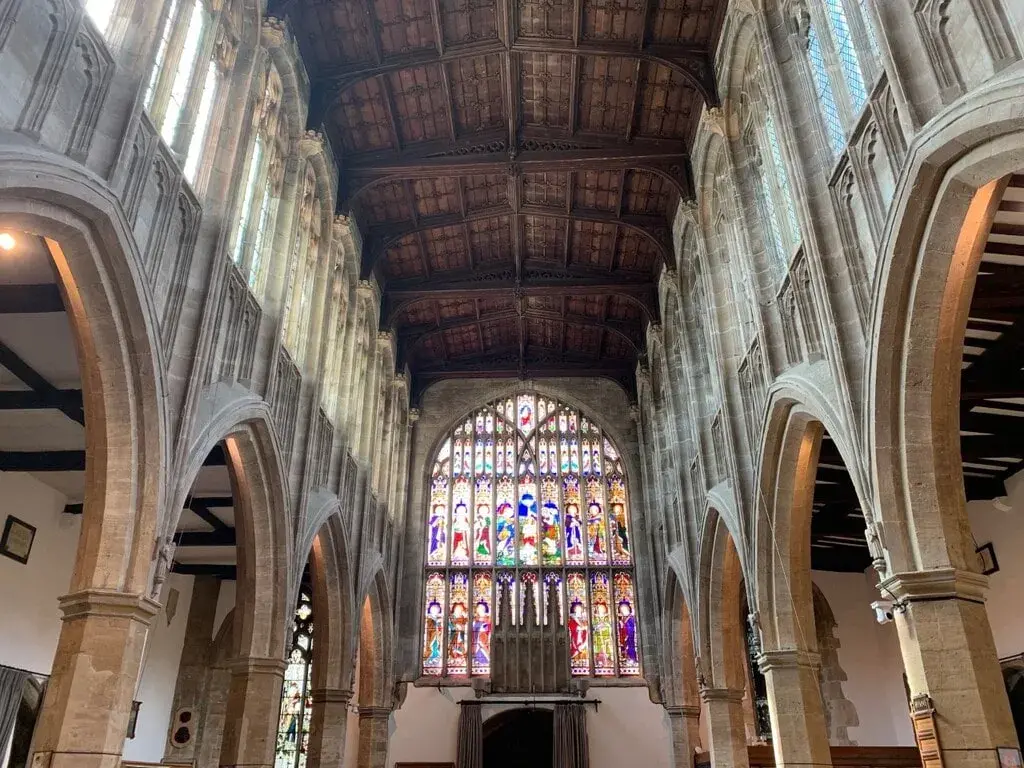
column 16, row 540
column 1009, row 757
column 989, row 563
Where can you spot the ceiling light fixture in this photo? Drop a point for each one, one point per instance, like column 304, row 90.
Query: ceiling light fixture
column 7, row 241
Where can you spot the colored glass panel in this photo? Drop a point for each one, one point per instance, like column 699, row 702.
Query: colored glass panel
column 618, row 525
column 482, row 603
column 597, row 538
column 458, row 624
column 296, row 702
column 528, row 554
column 551, row 524
column 629, row 660
column 433, row 625
column 526, row 414
column 460, row 522
column 575, row 548
column 482, row 551
column 437, row 525
column 601, row 627
column 578, row 624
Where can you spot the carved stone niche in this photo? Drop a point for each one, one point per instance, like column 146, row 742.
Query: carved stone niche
column 530, row 656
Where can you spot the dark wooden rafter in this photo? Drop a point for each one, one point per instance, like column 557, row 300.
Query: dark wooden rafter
column 25, row 373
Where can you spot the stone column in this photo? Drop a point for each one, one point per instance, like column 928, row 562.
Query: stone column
column 373, row 737
column 328, row 727
column 84, row 718
column 685, row 724
column 799, row 730
column 726, row 729
column 253, row 707
column 950, row 656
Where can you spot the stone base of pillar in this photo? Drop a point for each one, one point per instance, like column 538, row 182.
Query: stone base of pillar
column 373, row 737
column 328, row 727
column 799, row 730
column 253, row 709
column 726, row 729
column 685, row 724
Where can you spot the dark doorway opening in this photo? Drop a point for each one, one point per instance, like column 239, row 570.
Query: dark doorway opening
column 520, row 738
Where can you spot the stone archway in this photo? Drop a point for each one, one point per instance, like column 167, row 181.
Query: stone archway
column 108, row 607
column 927, row 270
column 375, row 687
column 681, row 687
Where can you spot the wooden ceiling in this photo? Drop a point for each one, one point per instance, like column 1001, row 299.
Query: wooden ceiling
column 514, row 168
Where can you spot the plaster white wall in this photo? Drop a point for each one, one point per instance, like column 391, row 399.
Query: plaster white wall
column 28, row 593
column 1005, row 530
column 869, row 653
column 627, row 729
column 352, row 724
column 159, row 675
column 225, row 602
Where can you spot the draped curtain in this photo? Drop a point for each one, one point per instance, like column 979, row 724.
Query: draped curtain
column 471, row 737
column 12, row 681
column 571, row 736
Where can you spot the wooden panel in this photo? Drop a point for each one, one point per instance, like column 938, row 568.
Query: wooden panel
column 477, row 93
column 448, row 309
column 597, row 190
column 543, row 239
column 586, row 306
column 436, row 197
column 404, row 26
column 362, row 118
column 636, row 252
column 491, row 240
column 544, row 333
column 606, row 93
column 614, row 20
column 546, row 189
column 405, row 258
column 446, row 248
column 499, row 334
column 468, row 21
column 462, row 341
column 684, row 21
column 546, row 19
column 420, row 103
column 667, row 101
column 385, row 202
column 485, row 191
column 649, row 194
column 593, row 244
column 346, row 35
column 545, row 80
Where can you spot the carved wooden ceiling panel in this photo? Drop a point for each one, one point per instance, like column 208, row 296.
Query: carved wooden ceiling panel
column 514, row 168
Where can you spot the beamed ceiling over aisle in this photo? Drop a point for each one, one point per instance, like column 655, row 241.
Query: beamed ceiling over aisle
column 514, row 168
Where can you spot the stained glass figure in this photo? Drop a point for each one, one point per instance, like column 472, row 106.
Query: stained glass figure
column 296, row 703
column 604, row 648
column 482, row 601
column 597, row 540
column 433, row 625
column 458, row 624
column 551, row 528
column 629, row 661
column 578, row 624
column 528, row 510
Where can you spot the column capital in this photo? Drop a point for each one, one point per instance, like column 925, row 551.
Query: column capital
column 259, row 665
column 109, row 603
column 374, row 713
column 330, row 695
column 686, row 710
column 787, row 658
column 732, row 695
column 940, row 584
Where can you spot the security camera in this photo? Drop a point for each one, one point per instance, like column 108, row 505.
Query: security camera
column 884, row 611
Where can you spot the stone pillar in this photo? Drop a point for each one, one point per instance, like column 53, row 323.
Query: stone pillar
column 328, row 727
column 799, row 730
column 726, row 729
column 950, row 656
column 373, row 737
column 253, row 707
column 84, row 718
column 685, row 724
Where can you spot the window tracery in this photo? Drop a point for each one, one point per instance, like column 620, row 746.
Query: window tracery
column 528, row 506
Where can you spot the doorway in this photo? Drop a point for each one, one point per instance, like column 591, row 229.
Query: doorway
column 520, row 738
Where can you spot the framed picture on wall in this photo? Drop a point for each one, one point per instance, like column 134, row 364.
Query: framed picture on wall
column 16, row 540
column 1009, row 757
column 989, row 564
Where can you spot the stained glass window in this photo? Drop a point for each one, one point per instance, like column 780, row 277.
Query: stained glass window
column 528, row 504
column 296, row 703
column 848, row 58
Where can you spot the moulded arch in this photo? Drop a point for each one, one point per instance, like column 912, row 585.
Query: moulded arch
column 931, row 246
column 375, row 637
column 679, row 651
column 116, row 333
column 259, row 488
column 331, row 573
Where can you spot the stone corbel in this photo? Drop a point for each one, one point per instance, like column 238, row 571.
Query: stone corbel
column 108, row 603
column 311, row 143
column 787, row 658
column 940, row 584
column 273, row 32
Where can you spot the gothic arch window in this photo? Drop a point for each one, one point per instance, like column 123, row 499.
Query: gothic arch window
column 194, row 51
column 826, row 97
column 528, row 505
column 296, row 697
column 846, row 50
column 263, row 178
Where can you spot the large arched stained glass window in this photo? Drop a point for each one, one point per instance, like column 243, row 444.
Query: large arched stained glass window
column 296, row 701
column 528, row 497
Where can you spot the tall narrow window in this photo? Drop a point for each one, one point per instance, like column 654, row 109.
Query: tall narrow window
column 197, row 145
column 251, row 182
column 296, row 700
column 183, row 74
column 528, row 504
column 847, row 52
column 823, row 86
column 161, row 54
column 781, row 178
column 101, row 11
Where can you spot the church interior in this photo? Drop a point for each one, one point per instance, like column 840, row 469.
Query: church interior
column 511, row 383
